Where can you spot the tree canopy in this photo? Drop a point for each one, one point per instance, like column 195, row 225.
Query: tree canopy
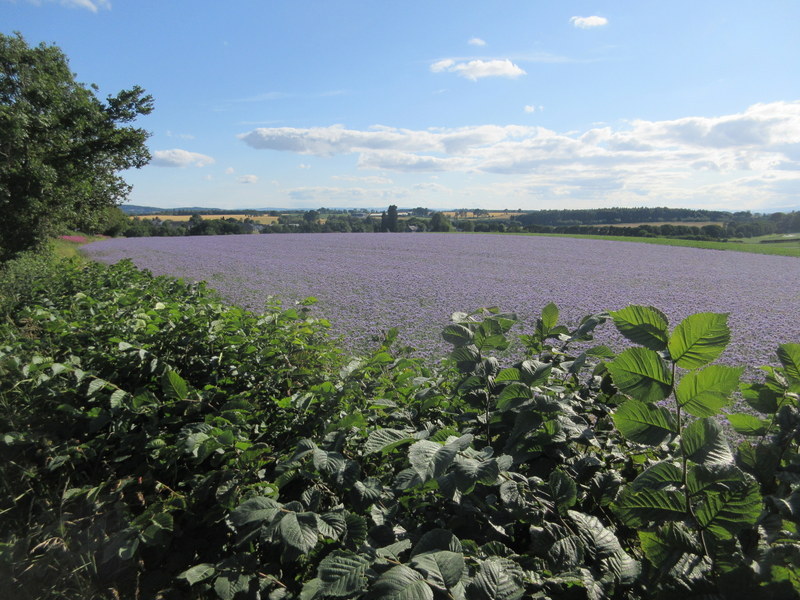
column 61, row 147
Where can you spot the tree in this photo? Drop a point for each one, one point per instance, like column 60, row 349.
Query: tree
column 60, row 146
column 391, row 218
column 439, row 222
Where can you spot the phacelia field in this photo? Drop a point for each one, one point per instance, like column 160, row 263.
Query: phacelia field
column 368, row 283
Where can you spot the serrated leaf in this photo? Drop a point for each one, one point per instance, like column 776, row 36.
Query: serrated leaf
column 227, row 587
column 599, row 541
column 442, row 569
column 699, row 339
column 174, row 386
column 636, row 508
column 726, row 513
column 331, row 525
column 789, row 355
column 659, row 476
column 549, row 317
column 669, row 546
column 566, row 553
column 495, row 581
column 641, row 374
column 513, row 396
column 256, row 510
column 703, row 441
column 509, row 374
column 748, row 424
column 197, row 573
column 563, row 490
column 386, row 440
column 704, row 393
column 643, row 325
column 299, row 531
column 342, row 573
column 437, row 539
column 95, row 385
column 458, row 335
column 645, row 423
column 401, row 583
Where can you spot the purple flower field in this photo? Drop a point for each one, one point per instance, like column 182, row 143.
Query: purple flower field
column 367, row 283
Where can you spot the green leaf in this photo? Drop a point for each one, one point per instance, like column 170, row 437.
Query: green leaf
column 401, row 583
column 642, row 374
column 600, row 542
column 299, row 530
column 495, row 581
column 197, row 573
column 513, row 396
column 227, row 587
column 636, row 508
column 342, row 573
column 703, row 441
column 437, row 539
column 643, row 325
column 458, row 335
column 761, row 397
column 659, row 476
column 645, row 423
column 704, row 393
column 509, row 374
column 669, row 546
column 699, row 339
column 549, row 317
column 747, row 424
column 256, row 510
column 563, row 490
column 442, row 569
column 566, row 552
column 174, row 386
column 726, row 513
column 789, row 355
column 386, row 440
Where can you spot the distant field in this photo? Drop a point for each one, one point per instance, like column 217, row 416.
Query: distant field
column 659, row 223
column 492, row 214
column 263, row 219
column 752, row 245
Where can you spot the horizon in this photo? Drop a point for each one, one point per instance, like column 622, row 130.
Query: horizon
column 525, row 106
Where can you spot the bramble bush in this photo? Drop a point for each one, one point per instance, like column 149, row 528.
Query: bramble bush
column 157, row 443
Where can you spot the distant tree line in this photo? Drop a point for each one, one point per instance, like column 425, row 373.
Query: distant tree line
column 731, row 225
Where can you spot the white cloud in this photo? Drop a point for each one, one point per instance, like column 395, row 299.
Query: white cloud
column 477, row 42
column 182, row 136
column 230, row 171
column 477, row 69
column 374, row 179
column 588, row 22
column 247, row 179
column 92, row 5
column 303, row 166
column 531, row 108
column 672, row 161
column 180, row 158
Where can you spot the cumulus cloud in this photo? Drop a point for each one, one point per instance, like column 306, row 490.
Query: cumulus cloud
column 247, row 179
column 180, row 158
column 672, row 160
column 478, row 69
column 588, row 22
column 477, row 42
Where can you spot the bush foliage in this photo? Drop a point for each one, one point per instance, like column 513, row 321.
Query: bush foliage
column 157, row 443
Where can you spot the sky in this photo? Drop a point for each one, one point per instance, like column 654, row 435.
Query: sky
column 494, row 104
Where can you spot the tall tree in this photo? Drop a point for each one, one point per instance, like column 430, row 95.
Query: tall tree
column 391, row 218
column 60, row 146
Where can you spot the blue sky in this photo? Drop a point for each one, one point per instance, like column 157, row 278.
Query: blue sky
column 531, row 104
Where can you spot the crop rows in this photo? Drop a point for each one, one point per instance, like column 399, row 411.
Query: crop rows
column 369, row 283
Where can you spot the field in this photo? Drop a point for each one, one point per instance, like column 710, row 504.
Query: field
column 367, row 283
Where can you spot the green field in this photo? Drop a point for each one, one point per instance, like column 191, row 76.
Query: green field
column 751, row 245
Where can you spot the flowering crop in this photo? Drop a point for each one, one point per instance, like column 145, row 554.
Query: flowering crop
column 367, row 283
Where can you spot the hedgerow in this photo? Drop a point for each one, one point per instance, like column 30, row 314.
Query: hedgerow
column 157, row 443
